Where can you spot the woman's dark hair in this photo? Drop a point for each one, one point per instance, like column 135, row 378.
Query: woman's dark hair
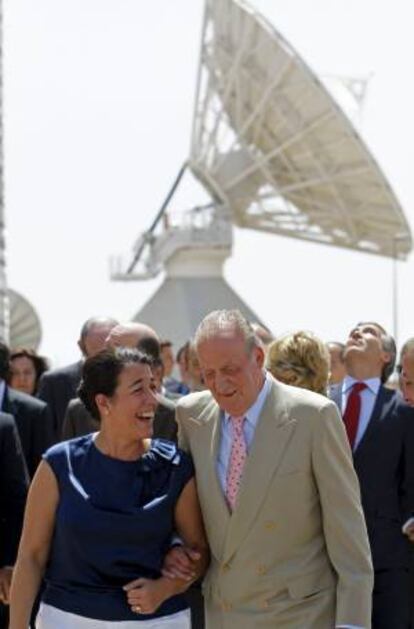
column 40, row 363
column 100, row 374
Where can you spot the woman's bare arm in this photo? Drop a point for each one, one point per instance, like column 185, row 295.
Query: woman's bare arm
column 190, row 526
column 39, row 522
column 146, row 595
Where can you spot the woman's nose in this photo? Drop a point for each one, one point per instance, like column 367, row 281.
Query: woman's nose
column 151, row 398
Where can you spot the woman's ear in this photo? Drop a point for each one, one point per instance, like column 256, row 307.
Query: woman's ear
column 103, row 404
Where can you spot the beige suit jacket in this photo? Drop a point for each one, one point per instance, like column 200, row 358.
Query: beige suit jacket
column 294, row 554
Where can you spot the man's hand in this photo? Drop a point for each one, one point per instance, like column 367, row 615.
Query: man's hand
column 5, row 581
column 180, row 562
column 146, row 595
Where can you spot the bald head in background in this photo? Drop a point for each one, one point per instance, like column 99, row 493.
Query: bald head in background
column 94, row 333
column 130, row 335
column 78, row 420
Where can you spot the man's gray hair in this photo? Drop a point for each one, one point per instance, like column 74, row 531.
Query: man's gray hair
column 93, row 322
column 219, row 321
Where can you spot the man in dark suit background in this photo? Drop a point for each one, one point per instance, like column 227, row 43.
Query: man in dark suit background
column 13, row 490
column 380, row 428
column 32, row 417
column 58, row 386
column 406, row 376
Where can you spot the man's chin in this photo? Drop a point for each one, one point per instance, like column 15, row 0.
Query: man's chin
column 230, row 408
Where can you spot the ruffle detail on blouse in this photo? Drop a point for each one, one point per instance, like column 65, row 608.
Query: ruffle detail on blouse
column 160, row 451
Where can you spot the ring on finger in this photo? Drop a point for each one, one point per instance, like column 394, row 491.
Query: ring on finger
column 137, row 609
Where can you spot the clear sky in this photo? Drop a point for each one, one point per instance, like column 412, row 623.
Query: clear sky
column 98, row 100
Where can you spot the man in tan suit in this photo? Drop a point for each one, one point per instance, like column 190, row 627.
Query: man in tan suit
column 280, row 498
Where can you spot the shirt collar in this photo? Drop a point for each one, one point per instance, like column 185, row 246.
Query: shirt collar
column 373, row 384
column 253, row 413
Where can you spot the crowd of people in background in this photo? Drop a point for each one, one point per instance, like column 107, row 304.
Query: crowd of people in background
column 371, row 385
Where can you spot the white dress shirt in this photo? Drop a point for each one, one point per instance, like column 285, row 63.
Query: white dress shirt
column 368, row 399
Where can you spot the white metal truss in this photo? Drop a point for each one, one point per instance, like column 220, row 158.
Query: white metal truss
column 271, row 144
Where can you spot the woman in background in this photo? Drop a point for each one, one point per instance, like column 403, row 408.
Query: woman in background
column 301, row 360
column 26, row 367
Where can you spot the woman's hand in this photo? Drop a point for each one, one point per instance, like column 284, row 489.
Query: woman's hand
column 146, row 595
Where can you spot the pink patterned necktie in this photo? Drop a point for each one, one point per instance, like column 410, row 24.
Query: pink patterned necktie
column 237, row 460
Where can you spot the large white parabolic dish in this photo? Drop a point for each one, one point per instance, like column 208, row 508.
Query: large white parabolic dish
column 25, row 326
column 271, row 144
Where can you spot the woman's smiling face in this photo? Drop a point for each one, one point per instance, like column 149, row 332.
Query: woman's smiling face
column 132, row 407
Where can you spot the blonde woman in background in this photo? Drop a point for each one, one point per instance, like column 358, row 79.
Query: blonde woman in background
column 301, row 360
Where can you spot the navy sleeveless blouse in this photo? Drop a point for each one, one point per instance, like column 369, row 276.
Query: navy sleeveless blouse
column 114, row 523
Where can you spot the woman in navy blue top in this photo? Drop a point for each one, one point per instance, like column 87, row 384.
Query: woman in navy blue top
column 102, row 510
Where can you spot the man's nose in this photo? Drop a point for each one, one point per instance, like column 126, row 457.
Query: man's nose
column 222, row 384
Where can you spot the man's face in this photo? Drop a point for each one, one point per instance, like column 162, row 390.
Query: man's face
column 364, row 345
column 337, row 365
column 167, row 358
column 94, row 341
column 182, row 363
column 233, row 376
column 407, row 378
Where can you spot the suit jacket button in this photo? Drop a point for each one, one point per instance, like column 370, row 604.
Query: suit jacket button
column 261, row 569
column 270, row 525
column 225, row 567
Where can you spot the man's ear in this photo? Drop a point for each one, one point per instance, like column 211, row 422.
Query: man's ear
column 82, row 348
column 259, row 356
column 386, row 357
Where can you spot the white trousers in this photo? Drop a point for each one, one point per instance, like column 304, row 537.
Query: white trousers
column 52, row 618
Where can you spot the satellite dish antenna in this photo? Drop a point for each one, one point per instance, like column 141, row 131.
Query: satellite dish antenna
column 275, row 153
column 350, row 93
column 25, row 327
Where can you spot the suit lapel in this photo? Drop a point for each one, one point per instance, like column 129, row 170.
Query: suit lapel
column 379, row 411
column 8, row 404
column 213, row 502
column 273, row 433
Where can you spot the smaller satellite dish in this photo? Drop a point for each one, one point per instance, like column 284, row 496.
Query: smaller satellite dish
column 25, row 327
